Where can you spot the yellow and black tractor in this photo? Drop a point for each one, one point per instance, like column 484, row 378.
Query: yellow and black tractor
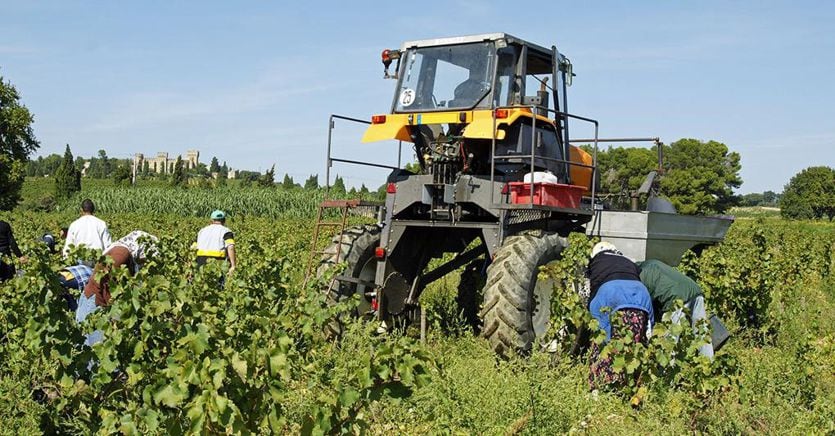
column 498, row 189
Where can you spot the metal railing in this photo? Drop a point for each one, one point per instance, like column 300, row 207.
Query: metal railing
column 535, row 111
column 656, row 140
column 533, row 156
column 660, row 149
column 330, row 159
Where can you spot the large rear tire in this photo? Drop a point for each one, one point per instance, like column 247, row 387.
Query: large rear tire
column 517, row 306
column 357, row 251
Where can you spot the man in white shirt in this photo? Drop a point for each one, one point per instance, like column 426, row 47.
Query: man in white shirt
column 87, row 231
column 216, row 242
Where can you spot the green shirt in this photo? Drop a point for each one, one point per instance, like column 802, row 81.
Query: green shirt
column 666, row 285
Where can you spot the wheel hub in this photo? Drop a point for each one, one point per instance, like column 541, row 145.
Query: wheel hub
column 367, row 275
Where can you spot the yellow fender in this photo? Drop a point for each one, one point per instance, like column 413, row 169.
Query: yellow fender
column 479, row 124
column 395, row 127
column 482, row 125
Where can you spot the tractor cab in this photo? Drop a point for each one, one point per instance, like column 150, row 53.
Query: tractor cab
column 485, row 105
column 475, row 72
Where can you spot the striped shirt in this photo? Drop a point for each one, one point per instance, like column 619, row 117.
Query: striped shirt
column 81, row 273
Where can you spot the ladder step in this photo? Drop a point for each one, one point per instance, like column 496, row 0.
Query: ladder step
column 339, row 203
column 328, row 224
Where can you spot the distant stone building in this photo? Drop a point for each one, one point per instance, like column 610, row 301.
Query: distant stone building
column 162, row 164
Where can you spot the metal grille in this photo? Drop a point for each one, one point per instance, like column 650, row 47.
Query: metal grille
column 524, row 216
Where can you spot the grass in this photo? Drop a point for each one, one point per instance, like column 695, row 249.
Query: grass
column 781, row 387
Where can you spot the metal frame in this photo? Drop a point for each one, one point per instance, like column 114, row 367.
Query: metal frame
column 534, row 109
column 656, row 140
column 533, row 156
column 659, row 145
column 345, row 205
column 316, row 228
column 329, row 159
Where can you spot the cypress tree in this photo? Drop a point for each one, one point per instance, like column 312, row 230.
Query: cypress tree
column 268, row 179
column 178, row 176
column 338, row 186
column 288, row 182
column 312, row 182
column 67, row 177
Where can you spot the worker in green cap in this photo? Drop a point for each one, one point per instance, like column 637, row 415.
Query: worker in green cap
column 216, row 242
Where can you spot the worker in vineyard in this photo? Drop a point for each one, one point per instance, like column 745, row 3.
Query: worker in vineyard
column 87, row 231
column 616, row 291
column 73, row 279
column 666, row 285
column 49, row 240
column 216, row 242
column 8, row 247
column 131, row 251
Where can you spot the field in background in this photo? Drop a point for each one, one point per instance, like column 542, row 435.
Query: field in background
column 755, row 212
column 157, row 197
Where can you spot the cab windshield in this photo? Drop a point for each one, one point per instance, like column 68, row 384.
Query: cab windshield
column 446, row 78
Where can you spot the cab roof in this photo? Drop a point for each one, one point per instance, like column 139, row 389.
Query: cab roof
column 453, row 40
column 539, row 58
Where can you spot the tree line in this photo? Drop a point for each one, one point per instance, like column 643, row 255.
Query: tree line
column 97, row 167
column 698, row 177
column 338, row 188
column 763, row 199
column 121, row 171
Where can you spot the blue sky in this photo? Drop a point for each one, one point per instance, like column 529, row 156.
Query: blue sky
column 253, row 83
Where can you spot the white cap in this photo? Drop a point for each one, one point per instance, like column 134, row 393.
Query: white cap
column 603, row 246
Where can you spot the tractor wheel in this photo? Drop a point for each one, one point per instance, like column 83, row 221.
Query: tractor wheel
column 517, row 306
column 469, row 298
column 357, row 251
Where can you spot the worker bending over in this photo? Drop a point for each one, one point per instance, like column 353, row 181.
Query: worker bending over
column 616, row 291
column 666, row 285
column 131, row 251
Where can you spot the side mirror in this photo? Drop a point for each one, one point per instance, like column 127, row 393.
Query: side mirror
column 568, row 69
column 387, row 57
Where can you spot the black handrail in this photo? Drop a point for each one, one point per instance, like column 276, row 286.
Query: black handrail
column 329, row 160
column 533, row 156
